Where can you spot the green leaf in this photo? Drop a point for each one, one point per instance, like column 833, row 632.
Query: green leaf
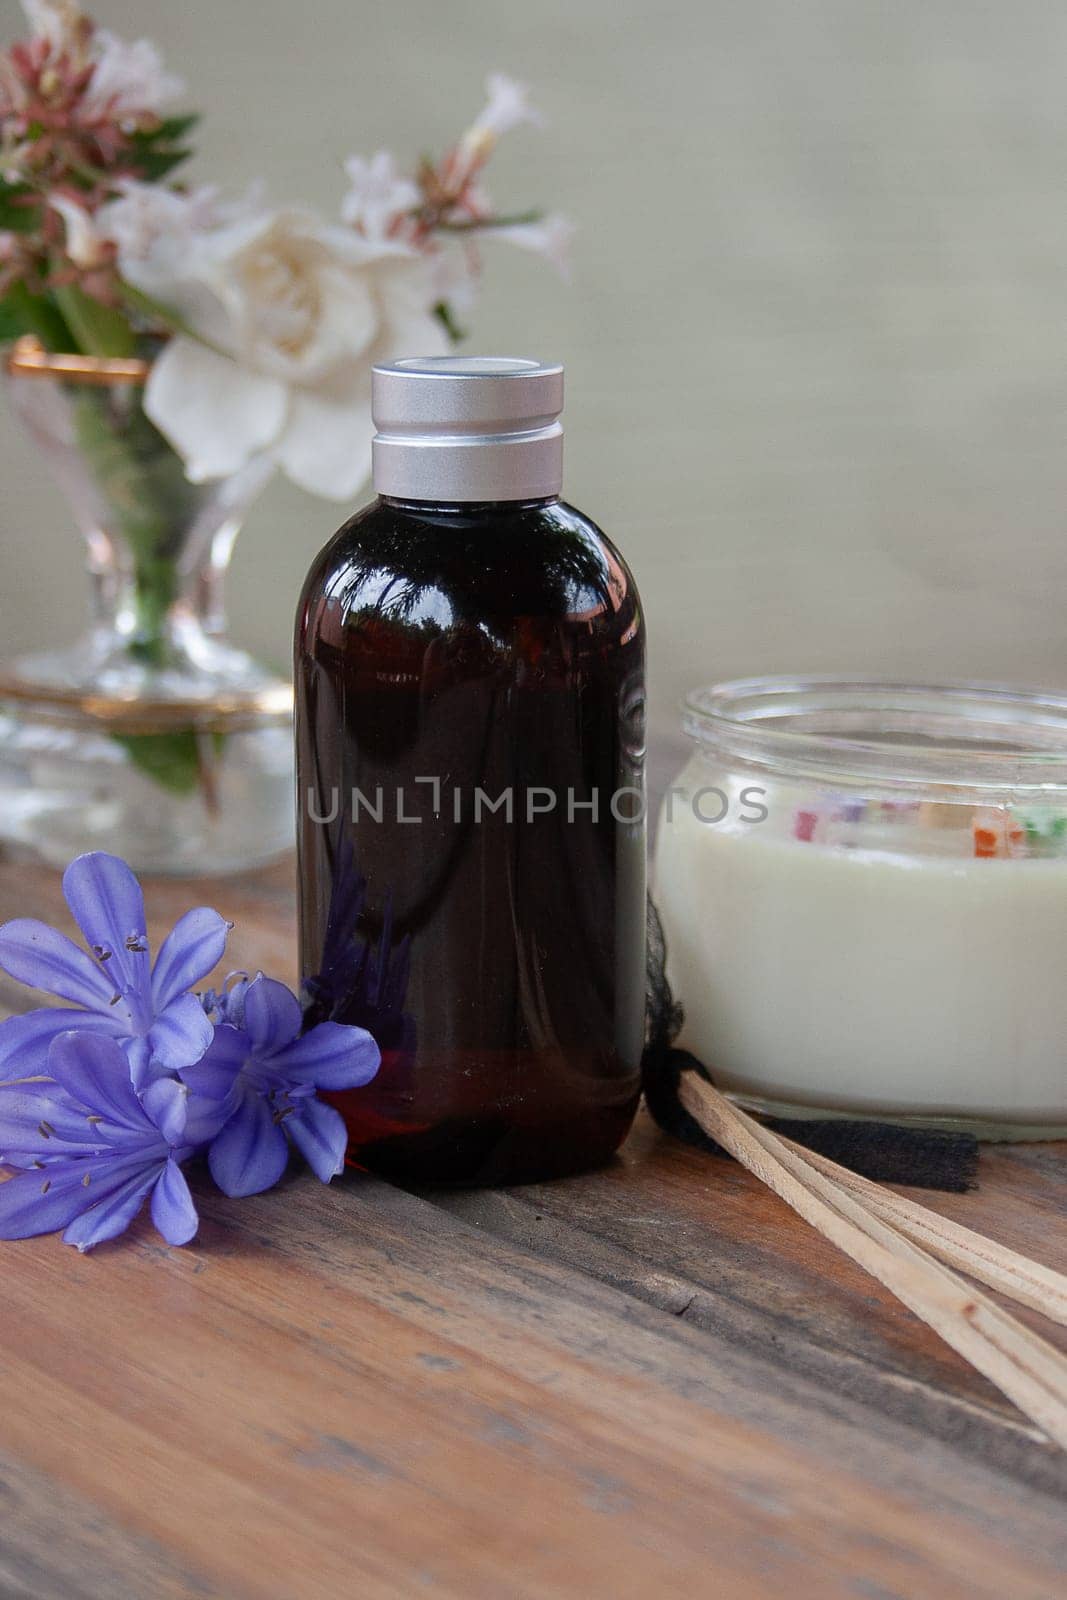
column 157, row 152
column 173, row 760
column 15, row 215
column 12, row 322
column 444, row 314
column 100, row 330
column 154, row 165
column 24, row 312
column 174, row 128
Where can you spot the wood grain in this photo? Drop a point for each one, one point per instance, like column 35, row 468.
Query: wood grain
column 650, row 1381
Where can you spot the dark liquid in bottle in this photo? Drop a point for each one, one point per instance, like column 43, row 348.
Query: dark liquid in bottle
column 470, row 727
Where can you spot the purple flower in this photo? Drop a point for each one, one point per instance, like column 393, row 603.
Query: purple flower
column 115, row 990
column 262, row 1073
column 113, row 1092
column 92, row 1149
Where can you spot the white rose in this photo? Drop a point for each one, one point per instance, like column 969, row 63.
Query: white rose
column 157, row 232
column 298, row 313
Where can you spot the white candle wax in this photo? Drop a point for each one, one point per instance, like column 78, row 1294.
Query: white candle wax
column 867, row 980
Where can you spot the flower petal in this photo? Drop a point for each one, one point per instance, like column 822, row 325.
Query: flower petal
column 215, row 1074
column 549, row 237
column 343, row 329
column 37, row 955
column 216, row 414
column 143, row 1070
column 106, row 902
column 40, row 1122
column 42, row 1202
column 188, row 953
column 325, row 447
column 272, row 1015
column 24, row 1040
column 180, row 1034
column 333, row 1055
column 205, row 1120
column 408, row 293
column 319, row 1133
column 251, row 1152
column 110, row 1213
column 214, row 1084
column 509, row 105
column 96, row 1074
column 167, row 1103
column 173, row 1211
column 84, row 245
column 232, row 1000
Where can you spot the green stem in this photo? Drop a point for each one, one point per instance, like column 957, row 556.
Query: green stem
column 151, row 506
column 99, row 330
column 487, row 224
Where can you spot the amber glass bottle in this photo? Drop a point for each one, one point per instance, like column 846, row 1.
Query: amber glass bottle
column 470, row 742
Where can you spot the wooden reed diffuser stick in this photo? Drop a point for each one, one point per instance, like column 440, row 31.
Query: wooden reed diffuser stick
column 1021, row 1364
column 1029, row 1283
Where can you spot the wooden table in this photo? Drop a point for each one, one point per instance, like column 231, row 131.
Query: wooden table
column 651, row 1381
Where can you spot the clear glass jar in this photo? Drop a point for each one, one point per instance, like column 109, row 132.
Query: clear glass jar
column 863, row 887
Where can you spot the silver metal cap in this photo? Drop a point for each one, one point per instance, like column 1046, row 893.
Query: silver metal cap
column 462, row 428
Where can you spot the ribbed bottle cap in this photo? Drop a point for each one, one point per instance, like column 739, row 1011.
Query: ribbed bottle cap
column 463, row 428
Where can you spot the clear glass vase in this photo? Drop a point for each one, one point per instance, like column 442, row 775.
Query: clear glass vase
column 151, row 736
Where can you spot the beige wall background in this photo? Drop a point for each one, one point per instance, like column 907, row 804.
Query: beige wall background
column 815, row 335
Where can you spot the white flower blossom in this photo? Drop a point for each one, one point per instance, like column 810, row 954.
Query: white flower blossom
column 152, row 226
column 129, row 78
column 508, row 105
column 549, row 237
column 85, row 246
column 61, row 22
column 378, row 194
column 455, row 280
column 296, row 313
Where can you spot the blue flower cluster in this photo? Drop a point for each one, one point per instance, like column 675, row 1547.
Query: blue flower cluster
column 104, row 1099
